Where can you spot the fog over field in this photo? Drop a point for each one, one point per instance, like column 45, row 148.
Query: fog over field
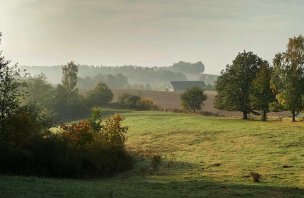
column 152, row 98
column 146, row 33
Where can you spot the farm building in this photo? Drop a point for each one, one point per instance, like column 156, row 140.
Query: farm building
column 184, row 85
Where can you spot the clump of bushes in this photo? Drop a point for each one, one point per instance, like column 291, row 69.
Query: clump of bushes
column 100, row 95
column 192, row 99
column 136, row 102
column 76, row 151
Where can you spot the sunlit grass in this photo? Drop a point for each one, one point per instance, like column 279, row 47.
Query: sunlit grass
column 212, row 156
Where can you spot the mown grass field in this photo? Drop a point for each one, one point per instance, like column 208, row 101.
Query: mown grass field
column 201, row 157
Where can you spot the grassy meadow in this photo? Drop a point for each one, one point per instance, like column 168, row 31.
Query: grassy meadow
column 201, row 156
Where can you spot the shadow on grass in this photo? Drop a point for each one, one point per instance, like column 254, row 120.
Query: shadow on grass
column 134, row 187
column 170, row 180
column 204, row 188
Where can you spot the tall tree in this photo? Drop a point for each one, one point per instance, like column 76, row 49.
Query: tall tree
column 9, row 90
column 288, row 79
column 261, row 92
column 69, row 81
column 69, row 77
column 66, row 96
column 234, row 84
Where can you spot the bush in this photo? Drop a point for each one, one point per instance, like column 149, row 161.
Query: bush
column 77, row 134
column 192, row 99
column 66, row 108
column 24, row 129
column 113, row 134
column 123, row 98
column 148, row 104
column 25, row 125
column 75, row 151
column 135, row 102
column 92, row 152
column 95, row 119
column 100, row 95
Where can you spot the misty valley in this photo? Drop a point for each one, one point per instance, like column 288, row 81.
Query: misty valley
column 151, row 99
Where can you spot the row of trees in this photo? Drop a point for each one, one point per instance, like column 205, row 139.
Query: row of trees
column 251, row 84
column 64, row 101
column 118, row 81
column 157, row 77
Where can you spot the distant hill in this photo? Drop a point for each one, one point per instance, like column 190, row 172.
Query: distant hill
column 154, row 77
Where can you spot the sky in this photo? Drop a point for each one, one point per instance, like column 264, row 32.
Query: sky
column 146, row 32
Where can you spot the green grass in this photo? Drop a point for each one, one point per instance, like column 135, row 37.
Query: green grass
column 210, row 157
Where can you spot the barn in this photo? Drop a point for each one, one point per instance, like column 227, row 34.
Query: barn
column 184, row 85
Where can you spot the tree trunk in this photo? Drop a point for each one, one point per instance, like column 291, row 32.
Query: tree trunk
column 245, row 116
column 293, row 116
column 264, row 116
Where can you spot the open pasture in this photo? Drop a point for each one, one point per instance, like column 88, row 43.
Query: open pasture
column 200, row 157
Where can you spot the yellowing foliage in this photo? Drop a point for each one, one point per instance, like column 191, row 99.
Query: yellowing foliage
column 78, row 133
column 113, row 132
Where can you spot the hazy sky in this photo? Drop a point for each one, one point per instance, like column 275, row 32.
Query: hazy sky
column 146, row 32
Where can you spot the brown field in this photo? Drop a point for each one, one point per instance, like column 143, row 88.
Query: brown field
column 171, row 100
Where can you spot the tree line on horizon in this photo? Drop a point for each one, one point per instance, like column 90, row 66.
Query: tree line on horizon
column 134, row 76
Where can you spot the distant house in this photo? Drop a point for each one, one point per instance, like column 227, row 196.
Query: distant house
column 184, row 85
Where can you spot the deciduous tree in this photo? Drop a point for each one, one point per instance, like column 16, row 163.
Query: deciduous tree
column 100, row 95
column 288, row 79
column 69, row 79
column 39, row 92
column 68, row 102
column 10, row 82
column 261, row 93
column 192, row 99
column 234, row 84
